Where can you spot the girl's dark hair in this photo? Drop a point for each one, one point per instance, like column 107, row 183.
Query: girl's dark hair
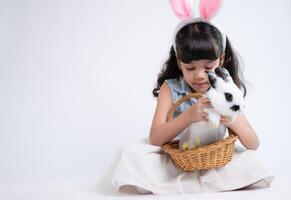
column 199, row 41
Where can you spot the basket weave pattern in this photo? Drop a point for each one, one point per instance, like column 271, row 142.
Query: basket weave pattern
column 208, row 156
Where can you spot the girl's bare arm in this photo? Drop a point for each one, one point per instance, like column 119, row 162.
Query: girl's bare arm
column 245, row 132
column 162, row 131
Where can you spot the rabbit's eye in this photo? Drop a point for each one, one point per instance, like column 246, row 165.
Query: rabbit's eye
column 228, row 96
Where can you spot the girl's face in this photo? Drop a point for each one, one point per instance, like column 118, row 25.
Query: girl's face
column 194, row 72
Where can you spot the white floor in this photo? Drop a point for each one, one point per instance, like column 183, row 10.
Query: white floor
column 87, row 190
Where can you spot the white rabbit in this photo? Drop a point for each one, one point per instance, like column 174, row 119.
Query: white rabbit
column 227, row 100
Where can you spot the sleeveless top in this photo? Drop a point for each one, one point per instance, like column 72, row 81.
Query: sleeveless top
column 180, row 88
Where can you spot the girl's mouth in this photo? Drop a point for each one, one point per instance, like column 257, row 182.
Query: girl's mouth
column 201, row 86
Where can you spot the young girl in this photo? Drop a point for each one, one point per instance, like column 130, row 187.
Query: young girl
column 198, row 46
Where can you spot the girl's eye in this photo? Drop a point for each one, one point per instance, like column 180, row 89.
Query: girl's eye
column 209, row 67
column 190, row 68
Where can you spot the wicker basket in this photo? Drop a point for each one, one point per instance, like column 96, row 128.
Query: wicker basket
column 204, row 157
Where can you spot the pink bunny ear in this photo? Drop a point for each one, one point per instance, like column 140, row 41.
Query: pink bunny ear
column 208, row 8
column 181, row 8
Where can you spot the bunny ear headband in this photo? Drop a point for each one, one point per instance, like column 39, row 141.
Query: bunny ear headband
column 183, row 9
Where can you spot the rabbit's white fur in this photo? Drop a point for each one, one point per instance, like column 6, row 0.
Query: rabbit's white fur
column 226, row 99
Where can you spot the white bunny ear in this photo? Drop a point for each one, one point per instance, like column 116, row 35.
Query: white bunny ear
column 181, row 8
column 208, row 8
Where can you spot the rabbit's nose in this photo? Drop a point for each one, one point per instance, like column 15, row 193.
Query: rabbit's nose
column 235, row 108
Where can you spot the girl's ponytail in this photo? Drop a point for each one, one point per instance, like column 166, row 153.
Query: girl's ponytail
column 231, row 63
column 170, row 70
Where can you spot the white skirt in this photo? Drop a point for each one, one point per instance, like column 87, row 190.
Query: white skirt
column 150, row 170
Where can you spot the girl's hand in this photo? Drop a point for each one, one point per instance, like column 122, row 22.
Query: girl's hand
column 196, row 111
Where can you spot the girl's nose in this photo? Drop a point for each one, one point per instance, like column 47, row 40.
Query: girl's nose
column 201, row 75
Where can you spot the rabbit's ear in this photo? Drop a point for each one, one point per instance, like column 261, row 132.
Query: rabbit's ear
column 181, row 8
column 208, row 8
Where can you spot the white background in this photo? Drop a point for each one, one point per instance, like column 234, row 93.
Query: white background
column 76, row 80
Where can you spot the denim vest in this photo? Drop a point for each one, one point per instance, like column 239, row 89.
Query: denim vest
column 180, row 88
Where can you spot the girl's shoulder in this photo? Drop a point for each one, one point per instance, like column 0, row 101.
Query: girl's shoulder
column 180, row 88
column 178, row 85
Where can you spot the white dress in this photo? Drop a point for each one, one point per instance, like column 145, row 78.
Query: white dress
column 152, row 171
column 148, row 169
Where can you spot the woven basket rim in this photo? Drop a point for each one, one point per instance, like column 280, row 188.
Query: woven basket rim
column 173, row 146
